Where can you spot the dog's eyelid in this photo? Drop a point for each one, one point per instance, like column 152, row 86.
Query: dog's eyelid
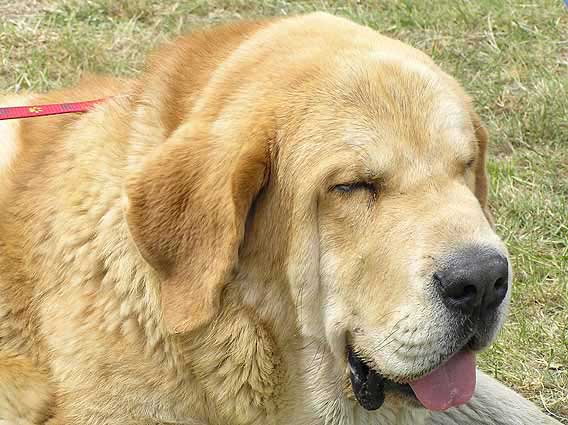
column 347, row 188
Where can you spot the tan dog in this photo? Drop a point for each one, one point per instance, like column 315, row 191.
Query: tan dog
column 280, row 222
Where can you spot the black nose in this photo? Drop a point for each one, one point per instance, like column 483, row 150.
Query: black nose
column 474, row 280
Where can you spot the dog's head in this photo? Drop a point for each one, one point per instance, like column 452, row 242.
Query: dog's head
column 367, row 177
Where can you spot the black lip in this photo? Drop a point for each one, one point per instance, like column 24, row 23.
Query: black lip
column 369, row 386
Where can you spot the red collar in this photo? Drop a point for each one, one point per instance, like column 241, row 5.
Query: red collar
column 14, row 112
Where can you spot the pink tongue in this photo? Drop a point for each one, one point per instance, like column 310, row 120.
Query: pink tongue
column 451, row 384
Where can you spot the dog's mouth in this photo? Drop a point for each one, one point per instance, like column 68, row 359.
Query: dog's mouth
column 449, row 385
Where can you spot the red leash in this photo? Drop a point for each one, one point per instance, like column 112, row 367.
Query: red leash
column 15, row 112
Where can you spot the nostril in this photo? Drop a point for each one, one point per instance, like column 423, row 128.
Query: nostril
column 500, row 284
column 462, row 295
column 499, row 292
column 469, row 292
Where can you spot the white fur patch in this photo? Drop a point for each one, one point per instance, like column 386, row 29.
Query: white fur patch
column 9, row 133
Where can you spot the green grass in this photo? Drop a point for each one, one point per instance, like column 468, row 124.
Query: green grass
column 512, row 56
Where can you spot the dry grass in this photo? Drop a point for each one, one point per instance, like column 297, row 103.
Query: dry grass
column 512, row 56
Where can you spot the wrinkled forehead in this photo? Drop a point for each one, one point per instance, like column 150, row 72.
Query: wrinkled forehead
column 387, row 115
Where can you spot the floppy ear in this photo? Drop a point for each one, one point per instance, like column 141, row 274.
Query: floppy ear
column 186, row 212
column 481, row 180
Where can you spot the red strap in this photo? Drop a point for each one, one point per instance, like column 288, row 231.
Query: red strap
column 13, row 112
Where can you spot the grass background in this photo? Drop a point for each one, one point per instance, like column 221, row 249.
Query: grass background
column 512, row 56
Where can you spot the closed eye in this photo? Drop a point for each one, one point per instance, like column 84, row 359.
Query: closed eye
column 348, row 188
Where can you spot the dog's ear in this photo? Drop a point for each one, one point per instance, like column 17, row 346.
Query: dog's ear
column 186, row 211
column 481, row 179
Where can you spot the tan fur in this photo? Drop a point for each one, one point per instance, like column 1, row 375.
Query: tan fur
column 25, row 395
column 177, row 255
